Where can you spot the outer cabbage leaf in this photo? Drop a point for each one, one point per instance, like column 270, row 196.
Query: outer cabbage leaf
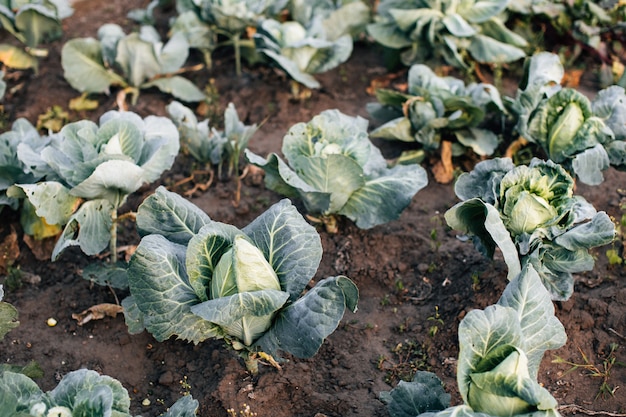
column 18, row 392
column 84, row 67
column 89, row 227
column 161, row 290
column 292, row 246
column 301, row 327
column 410, row 399
column 38, row 24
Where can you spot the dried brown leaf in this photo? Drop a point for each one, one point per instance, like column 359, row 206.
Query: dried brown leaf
column 97, row 312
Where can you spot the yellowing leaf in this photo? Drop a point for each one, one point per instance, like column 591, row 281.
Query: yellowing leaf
column 16, row 58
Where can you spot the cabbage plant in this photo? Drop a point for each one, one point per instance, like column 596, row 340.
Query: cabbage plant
column 336, row 170
column 8, row 316
column 301, row 52
column 196, row 279
column 531, row 214
column 94, row 168
column 439, row 111
column 585, row 136
column 500, row 351
column 455, row 31
column 318, row 39
column 213, row 146
column 79, row 393
column 133, row 62
column 32, row 22
column 227, row 18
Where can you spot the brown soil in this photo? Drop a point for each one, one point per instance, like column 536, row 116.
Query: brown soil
column 416, row 279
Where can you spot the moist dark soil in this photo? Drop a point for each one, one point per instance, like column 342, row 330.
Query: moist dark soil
column 417, row 280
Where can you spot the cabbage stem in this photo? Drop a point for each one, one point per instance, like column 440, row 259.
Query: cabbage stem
column 113, row 242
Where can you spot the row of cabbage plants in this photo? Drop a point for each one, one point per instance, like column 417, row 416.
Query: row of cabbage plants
column 302, row 38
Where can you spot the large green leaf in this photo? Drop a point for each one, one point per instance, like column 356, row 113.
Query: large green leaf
column 178, row 86
column 137, row 59
column 279, row 177
column 112, row 180
column 291, row 245
column 485, row 49
column 389, row 34
column 38, row 24
column 245, row 315
column 301, row 327
column 482, row 141
column 84, row 68
column 161, row 291
column 335, row 174
column 383, row 199
column 483, row 221
column 541, row 329
column 482, row 10
column 410, row 399
column 89, row 228
column 52, row 201
column 291, row 68
column 589, row 164
column 170, row 215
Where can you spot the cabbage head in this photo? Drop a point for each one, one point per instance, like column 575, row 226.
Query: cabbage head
column 336, row 170
column 196, row 279
column 531, row 214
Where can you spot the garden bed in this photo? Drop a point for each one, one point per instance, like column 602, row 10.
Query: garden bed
column 416, row 279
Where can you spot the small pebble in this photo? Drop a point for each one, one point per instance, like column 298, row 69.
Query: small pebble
column 145, row 402
column 51, row 322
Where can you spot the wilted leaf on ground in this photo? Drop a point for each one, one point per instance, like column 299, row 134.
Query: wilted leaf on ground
column 97, row 312
column 572, row 78
column 9, row 251
column 443, row 169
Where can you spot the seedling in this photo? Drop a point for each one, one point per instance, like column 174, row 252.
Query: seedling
column 437, row 320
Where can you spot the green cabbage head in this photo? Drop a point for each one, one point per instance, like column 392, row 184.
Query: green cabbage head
column 535, row 198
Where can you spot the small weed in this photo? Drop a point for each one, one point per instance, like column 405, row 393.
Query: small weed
column 407, row 358
column 437, row 222
column 436, row 318
column 186, row 387
column 244, row 412
column 604, row 371
column 386, row 300
column 475, row 281
column 400, row 286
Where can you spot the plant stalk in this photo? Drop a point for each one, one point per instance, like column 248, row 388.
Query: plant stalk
column 237, row 46
column 113, row 242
